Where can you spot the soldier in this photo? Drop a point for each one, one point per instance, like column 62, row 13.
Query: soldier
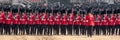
column 98, row 24
column 83, row 25
column 64, row 24
column 51, row 24
column 31, row 23
column 8, row 23
column 78, row 24
column 90, row 24
column 71, row 24
column 118, row 23
column 111, row 24
column 44, row 23
column 16, row 23
column 57, row 23
column 38, row 23
column 104, row 24
column 24, row 27
column 3, row 20
column 1, row 24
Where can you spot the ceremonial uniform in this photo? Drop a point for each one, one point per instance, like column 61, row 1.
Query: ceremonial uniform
column 83, row 25
column 104, row 24
column 1, row 24
column 31, row 23
column 98, row 24
column 64, row 24
column 111, row 24
column 117, row 23
column 9, row 23
column 45, row 23
column 71, row 24
column 77, row 24
column 16, row 23
column 90, row 24
column 57, row 23
column 24, row 27
column 51, row 24
column 38, row 23
column 3, row 19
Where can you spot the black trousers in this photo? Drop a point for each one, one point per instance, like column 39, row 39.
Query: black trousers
column 83, row 30
column 69, row 29
column 90, row 31
column 76, row 29
column 50, row 27
column 22, row 29
column 7, row 29
column 63, row 29
column 33, row 29
column 112, row 29
column 39, row 27
column 45, row 29
column 56, row 29
column 103, row 28
column 117, row 27
column 108, row 30
column 97, row 29
column 1, row 28
column 15, row 28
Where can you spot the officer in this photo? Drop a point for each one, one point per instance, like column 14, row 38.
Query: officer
column 90, row 23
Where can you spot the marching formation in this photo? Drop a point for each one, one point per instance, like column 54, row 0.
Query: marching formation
column 59, row 24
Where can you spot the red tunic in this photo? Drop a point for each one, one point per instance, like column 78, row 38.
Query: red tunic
column 38, row 20
column 78, row 20
column 98, row 21
column 24, row 19
column 44, row 20
column 90, row 19
column 64, row 20
column 31, row 20
column 105, row 21
column 71, row 20
column 112, row 21
column 9, row 19
column 51, row 20
column 117, row 20
column 83, row 22
column 17, row 19
column 58, row 21
column 1, row 19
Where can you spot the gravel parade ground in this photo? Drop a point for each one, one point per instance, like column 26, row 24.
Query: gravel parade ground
column 31, row 37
